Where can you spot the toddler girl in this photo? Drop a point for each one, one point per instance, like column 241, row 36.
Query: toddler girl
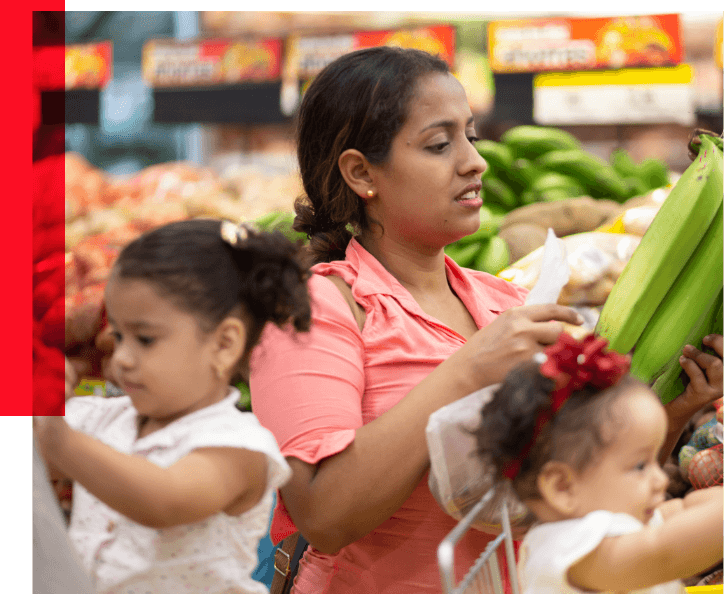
column 581, row 441
column 174, row 485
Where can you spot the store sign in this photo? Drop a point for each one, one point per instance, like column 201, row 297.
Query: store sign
column 210, row 62
column 538, row 45
column 88, row 65
column 306, row 56
column 640, row 96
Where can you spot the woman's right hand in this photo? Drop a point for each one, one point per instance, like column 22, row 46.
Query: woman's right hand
column 514, row 336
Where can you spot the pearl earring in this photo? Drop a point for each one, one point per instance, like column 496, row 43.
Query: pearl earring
column 370, row 193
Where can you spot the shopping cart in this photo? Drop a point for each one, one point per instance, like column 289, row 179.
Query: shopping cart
column 486, row 576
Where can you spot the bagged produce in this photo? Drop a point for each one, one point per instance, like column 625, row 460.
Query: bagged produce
column 458, row 478
column 595, row 260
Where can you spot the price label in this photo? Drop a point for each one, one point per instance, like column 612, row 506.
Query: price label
column 623, row 97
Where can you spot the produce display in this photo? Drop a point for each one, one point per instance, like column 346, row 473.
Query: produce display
column 670, row 292
column 103, row 213
column 539, row 178
column 543, row 164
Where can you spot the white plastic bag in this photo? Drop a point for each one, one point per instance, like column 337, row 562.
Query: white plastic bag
column 458, row 476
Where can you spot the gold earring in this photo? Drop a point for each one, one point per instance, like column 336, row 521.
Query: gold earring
column 370, row 193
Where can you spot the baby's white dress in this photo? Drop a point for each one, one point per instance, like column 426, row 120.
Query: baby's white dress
column 216, row 555
column 549, row 550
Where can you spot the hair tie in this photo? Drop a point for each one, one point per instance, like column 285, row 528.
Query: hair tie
column 572, row 365
column 236, row 234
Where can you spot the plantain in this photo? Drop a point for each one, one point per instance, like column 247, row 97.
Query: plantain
column 497, row 155
column 672, row 379
column 663, row 252
column 489, row 226
column 496, row 191
column 623, row 164
column 653, row 173
column 524, row 172
column 464, row 255
column 689, row 298
column 493, row 257
column 598, row 178
column 532, row 141
column 552, row 180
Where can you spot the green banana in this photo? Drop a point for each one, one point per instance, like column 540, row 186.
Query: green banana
column 688, row 299
column 598, row 178
column 493, row 257
column 552, row 180
column 637, row 187
column 496, row 191
column 663, row 252
column 532, row 141
column 497, row 155
column 653, row 173
column 489, row 226
column 463, row 255
column 525, row 172
column 672, row 380
column 622, row 163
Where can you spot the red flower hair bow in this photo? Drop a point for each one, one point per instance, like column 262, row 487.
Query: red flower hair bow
column 572, row 365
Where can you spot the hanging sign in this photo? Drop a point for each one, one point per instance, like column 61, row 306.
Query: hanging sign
column 641, row 95
column 551, row 44
column 88, row 65
column 167, row 63
column 306, row 56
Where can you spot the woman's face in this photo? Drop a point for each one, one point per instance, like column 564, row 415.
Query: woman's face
column 428, row 193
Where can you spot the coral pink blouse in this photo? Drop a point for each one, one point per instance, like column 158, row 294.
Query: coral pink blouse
column 313, row 390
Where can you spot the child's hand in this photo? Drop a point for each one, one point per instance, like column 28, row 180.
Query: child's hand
column 705, row 372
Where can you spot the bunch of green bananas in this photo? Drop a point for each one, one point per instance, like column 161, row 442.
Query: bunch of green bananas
column 538, row 163
column 483, row 250
column 670, row 292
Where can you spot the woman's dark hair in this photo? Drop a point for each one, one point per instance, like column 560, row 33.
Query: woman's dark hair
column 359, row 101
column 263, row 277
column 575, row 435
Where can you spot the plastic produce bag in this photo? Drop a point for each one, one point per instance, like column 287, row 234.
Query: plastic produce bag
column 458, row 476
column 595, row 260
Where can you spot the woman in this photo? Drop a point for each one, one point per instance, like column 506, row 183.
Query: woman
column 385, row 147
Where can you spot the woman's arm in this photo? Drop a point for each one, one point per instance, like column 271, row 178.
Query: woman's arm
column 204, row 482
column 686, row 544
column 345, row 496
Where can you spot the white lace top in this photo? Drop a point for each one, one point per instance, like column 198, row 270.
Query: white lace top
column 213, row 556
column 549, row 550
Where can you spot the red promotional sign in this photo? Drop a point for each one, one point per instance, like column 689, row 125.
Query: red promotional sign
column 539, row 45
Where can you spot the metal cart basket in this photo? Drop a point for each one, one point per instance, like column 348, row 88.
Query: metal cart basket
column 486, row 574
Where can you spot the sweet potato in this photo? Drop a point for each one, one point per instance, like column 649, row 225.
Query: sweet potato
column 523, row 238
column 565, row 217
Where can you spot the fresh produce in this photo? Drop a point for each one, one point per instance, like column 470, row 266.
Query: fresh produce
column 576, row 215
column 543, row 164
column 483, row 250
column 667, row 249
column 669, row 381
column 692, row 301
column 533, row 141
